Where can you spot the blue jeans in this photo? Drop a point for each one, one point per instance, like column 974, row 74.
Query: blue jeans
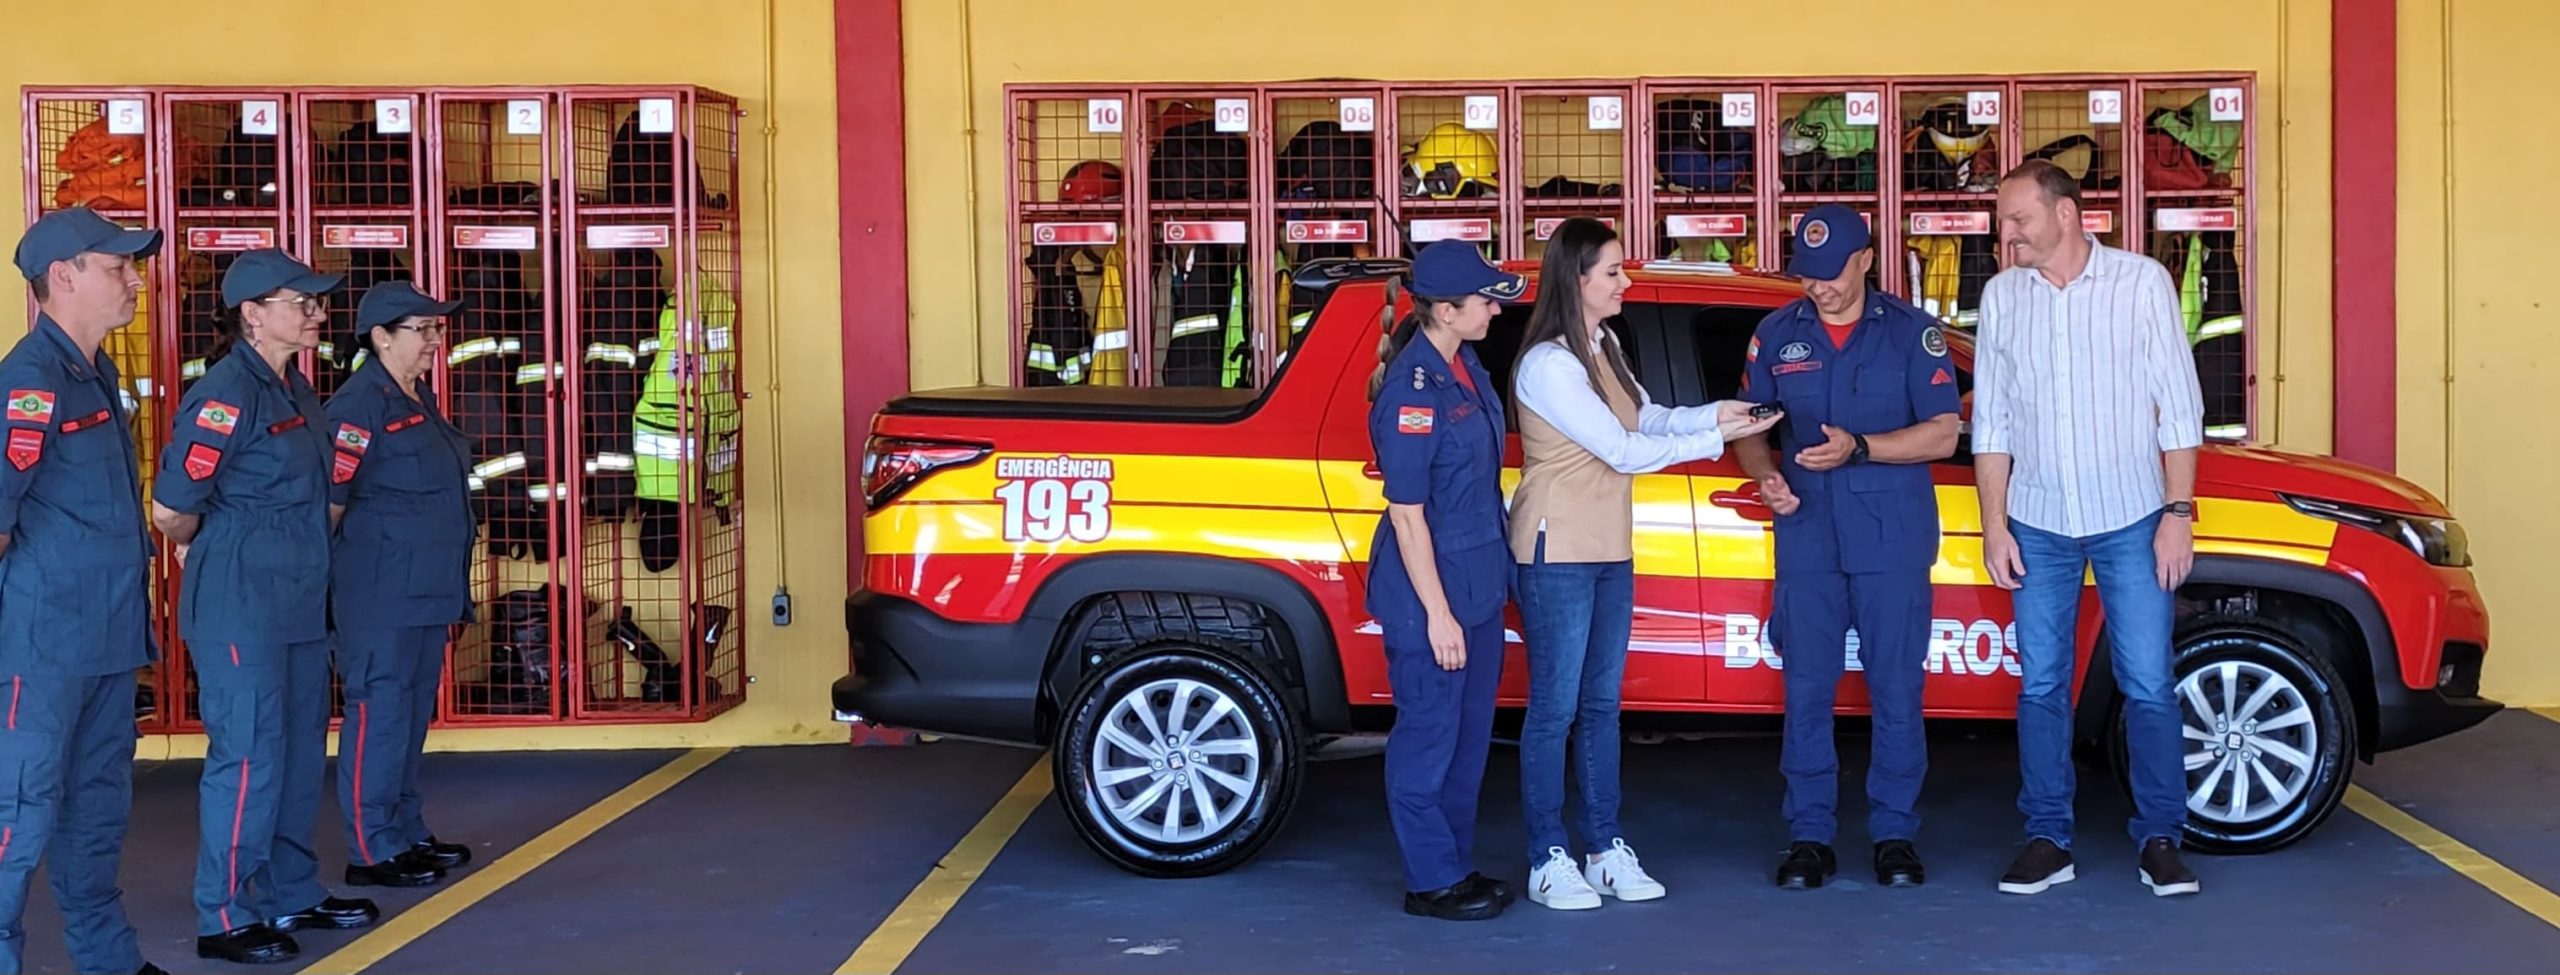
column 1577, row 617
column 2139, row 616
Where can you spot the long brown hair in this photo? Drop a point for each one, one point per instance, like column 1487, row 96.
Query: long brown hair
column 1396, row 333
column 1571, row 254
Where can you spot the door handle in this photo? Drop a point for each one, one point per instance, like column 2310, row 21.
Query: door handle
column 1744, row 501
column 1370, row 471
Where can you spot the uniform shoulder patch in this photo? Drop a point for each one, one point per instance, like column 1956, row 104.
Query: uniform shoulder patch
column 26, row 447
column 1752, row 354
column 30, row 406
column 1413, row 419
column 202, row 461
column 343, row 468
column 354, row 439
column 1934, row 341
column 218, row 416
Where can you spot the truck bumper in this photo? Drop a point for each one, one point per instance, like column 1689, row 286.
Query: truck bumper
column 913, row 669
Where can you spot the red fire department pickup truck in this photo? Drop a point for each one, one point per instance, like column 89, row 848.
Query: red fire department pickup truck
column 1165, row 586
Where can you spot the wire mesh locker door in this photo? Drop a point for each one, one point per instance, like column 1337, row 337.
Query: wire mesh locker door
column 2080, row 128
column 1199, row 211
column 1072, row 301
column 654, row 274
column 1829, row 146
column 1326, row 194
column 1952, row 140
column 1705, row 149
column 1449, row 178
column 93, row 149
column 496, row 247
column 2195, row 221
column 1573, row 160
column 359, row 210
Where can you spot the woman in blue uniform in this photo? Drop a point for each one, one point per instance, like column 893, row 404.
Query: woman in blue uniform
column 1440, row 572
column 399, row 579
column 243, row 491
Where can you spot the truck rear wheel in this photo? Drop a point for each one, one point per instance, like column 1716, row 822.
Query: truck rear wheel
column 2269, row 734
column 1177, row 760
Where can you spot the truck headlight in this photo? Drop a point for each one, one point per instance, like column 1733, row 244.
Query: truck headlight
column 2440, row 541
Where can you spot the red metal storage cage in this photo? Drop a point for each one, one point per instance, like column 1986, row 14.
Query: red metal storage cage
column 1204, row 262
column 2079, row 125
column 357, row 205
column 494, row 227
column 1071, row 278
column 99, row 148
column 1456, row 167
column 1952, row 140
column 646, row 391
column 1330, row 175
column 1829, row 145
column 1700, row 153
column 2197, row 218
column 1573, row 161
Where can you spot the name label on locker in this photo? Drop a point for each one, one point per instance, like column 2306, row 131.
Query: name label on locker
column 1692, row 226
column 495, row 238
column 604, row 238
column 1477, row 229
column 2099, row 221
column 2200, row 218
column 230, row 238
column 344, row 237
column 1328, row 231
column 1096, row 232
column 1546, row 226
column 1946, row 224
column 1204, row 232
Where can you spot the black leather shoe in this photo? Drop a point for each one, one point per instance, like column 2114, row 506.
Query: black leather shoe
column 1898, row 865
column 409, row 869
column 1807, row 865
column 1501, row 891
column 1461, row 901
column 256, row 944
column 444, row 855
column 336, row 912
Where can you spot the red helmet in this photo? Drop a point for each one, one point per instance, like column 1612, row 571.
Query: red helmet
column 1091, row 181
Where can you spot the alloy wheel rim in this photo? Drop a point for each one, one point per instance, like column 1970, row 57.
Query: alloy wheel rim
column 1175, row 761
column 2252, row 742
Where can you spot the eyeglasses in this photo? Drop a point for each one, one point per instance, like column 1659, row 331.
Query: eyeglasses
column 307, row 304
column 429, row 331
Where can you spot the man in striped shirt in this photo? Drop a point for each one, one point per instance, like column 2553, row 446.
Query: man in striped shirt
column 2087, row 416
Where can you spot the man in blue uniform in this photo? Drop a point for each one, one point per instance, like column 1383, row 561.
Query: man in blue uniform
column 74, row 609
column 1870, row 399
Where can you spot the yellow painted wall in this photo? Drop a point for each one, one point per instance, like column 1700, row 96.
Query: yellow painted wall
column 795, row 413
column 2479, row 350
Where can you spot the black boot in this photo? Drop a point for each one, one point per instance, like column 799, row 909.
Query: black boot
column 1462, row 901
column 409, row 869
column 256, row 944
column 444, row 855
column 1807, row 866
column 336, row 912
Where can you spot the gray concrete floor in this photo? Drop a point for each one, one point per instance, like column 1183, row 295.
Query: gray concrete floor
column 786, row 859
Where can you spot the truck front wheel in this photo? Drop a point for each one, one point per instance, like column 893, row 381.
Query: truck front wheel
column 1177, row 760
column 2269, row 734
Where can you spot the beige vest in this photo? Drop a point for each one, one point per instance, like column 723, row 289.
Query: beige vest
column 1587, row 508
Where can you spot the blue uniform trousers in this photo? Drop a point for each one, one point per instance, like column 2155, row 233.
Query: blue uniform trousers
column 1436, row 751
column 391, row 677
column 66, row 785
column 1891, row 611
column 267, row 736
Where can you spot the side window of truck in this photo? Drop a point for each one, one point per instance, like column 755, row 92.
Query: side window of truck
column 1500, row 347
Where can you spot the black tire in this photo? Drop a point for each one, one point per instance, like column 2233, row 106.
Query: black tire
column 2257, row 649
column 1260, row 722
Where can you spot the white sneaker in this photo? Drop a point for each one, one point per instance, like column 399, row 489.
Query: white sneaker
column 1557, row 884
column 1617, row 874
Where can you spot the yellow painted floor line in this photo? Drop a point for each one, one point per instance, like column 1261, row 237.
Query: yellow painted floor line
column 2552, row 713
column 896, row 938
column 409, row 925
column 2534, row 898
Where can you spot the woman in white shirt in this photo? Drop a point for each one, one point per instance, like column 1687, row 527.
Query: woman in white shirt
column 1586, row 429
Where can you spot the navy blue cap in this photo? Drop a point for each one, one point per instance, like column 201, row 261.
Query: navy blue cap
column 66, row 234
column 1455, row 269
column 259, row 272
column 1825, row 240
column 389, row 302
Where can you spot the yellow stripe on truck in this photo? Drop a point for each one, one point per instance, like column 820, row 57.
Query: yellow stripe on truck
column 1254, row 482
column 979, row 529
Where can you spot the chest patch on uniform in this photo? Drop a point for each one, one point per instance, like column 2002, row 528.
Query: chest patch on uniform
column 30, row 406
column 1794, row 367
column 83, row 423
column 1413, row 419
column 26, row 447
column 218, row 416
column 203, row 460
column 354, row 438
column 411, row 420
column 284, row 425
column 1795, row 352
column 343, row 468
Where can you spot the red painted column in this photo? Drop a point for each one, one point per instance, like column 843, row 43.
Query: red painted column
column 2364, row 74
column 871, row 163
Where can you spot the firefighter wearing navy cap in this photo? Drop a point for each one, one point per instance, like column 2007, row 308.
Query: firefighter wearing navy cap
column 1870, row 400
column 74, row 606
column 399, row 578
column 1440, row 571
column 243, row 489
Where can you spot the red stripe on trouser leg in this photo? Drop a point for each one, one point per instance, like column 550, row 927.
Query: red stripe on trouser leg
column 355, row 796
column 238, row 813
column 17, row 685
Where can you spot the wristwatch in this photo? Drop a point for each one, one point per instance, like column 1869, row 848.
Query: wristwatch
column 1858, row 454
column 2182, row 509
